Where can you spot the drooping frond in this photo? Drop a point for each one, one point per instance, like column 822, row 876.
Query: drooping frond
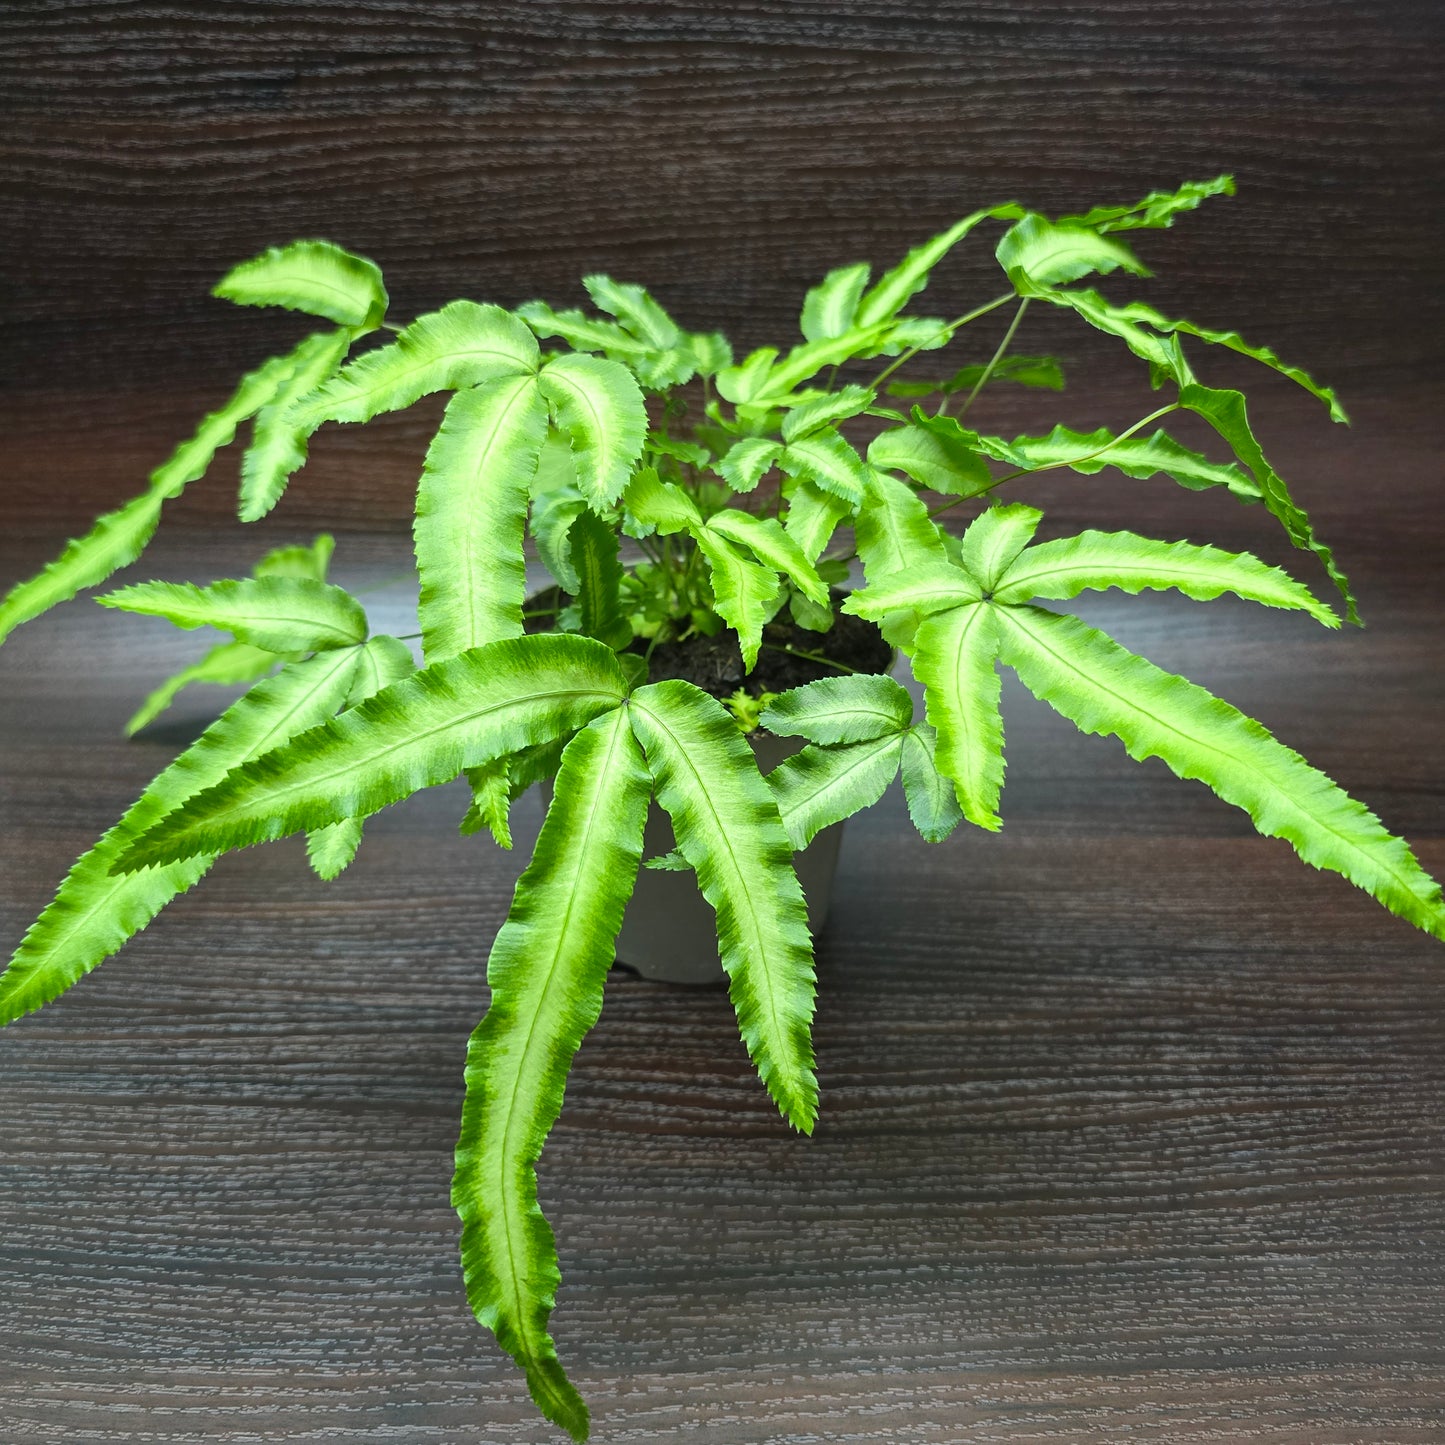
column 812, row 516
column 830, row 306
column 312, row 276
column 418, row 732
column 95, row 910
column 994, row 538
column 491, row 805
column 1156, row 211
column 546, row 972
column 934, row 459
column 1225, row 412
column 765, row 538
column 119, row 537
column 281, row 614
column 330, row 850
column 463, row 344
column 653, row 505
column 1103, row 688
column 931, row 797
column 1095, row 561
column 953, row 658
column 278, row 445
column 837, row 710
column 225, row 664
column 743, row 590
column 298, row 561
column 727, row 826
column 595, row 557
column 818, row 787
column 1037, row 254
column 598, row 404
column 471, row 514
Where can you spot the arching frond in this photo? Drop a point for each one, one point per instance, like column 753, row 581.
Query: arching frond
column 312, row 276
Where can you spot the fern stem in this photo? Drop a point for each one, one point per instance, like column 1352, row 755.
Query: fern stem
column 1054, row 466
column 809, row 656
column 950, row 328
column 994, row 360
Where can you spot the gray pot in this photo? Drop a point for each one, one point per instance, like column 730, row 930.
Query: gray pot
column 669, row 932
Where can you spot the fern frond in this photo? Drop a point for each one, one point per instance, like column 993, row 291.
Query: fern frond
column 595, row 555
column 727, row 827
column 937, row 461
column 812, row 517
column 653, row 505
column 312, row 276
column 597, row 404
column 491, row 805
column 95, row 910
column 837, row 710
column 953, row 658
column 830, row 306
column 809, row 416
column 818, row 787
column 1103, row 688
column 894, row 288
column 765, row 538
column 546, row 973
column 463, row 344
column 297, row 561
column 894, row 532
column 743, row 591
column 1156, row 211
column 281, row 614
column 278, row 446
column 471, row 515
column 827, row 459
column 225, row 664
column 747, row 462
column 119, row 537
column 994, row 539
column 1096, row 561
column 924, row 588
column 424, row 730
column 330, row 850
column 932, row 799
column 1037, row 254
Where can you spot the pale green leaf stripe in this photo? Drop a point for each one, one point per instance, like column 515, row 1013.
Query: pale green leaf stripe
column 312, row 276
column 658, row 506
column 330, row 850
column 994, row 539
column 837, row 405
column 894, row 532
column 281, row 614
column 119, row 537
column 837, row 710
column 727, row 826
column 461, row 345
column 636, row 309
column 471, row 515
column 278, row 446
column 423, row 730
column 226, row 663
column 743, row 591
column 827, row 460
column 771, row 545
column 745, row 463
column 927, row 587
column 910, row 276
column 96, row 911
column 546, row 972
column 599, row 405
column 1096, row 561
column 954, row 660
column 932, row 800
column 818, row 787
column 1102, row 688
column 380, row 662
column 830, row 306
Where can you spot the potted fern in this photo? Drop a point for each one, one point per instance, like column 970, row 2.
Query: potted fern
column 688, row 506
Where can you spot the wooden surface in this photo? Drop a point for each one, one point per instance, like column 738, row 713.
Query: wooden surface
column 1131, row 1124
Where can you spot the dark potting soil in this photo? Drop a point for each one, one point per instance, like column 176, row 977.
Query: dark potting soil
column 715, row 664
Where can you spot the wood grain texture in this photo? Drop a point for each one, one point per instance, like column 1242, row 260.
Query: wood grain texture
column 1131, row 1123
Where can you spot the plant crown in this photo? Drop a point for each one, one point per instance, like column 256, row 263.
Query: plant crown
column 635, row 453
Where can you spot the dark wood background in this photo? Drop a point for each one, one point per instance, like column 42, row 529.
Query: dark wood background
column 1132, row 1123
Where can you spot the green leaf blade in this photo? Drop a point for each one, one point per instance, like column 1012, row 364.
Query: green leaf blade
column 818, row 787
column 423, row 730
column 598, row 404
column 316, row 277
column 836, row 710
column 931, row 797
column 728, row 828
column 1103, row 688
column 829, row 307
column 546, row 972
column 471, row 516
